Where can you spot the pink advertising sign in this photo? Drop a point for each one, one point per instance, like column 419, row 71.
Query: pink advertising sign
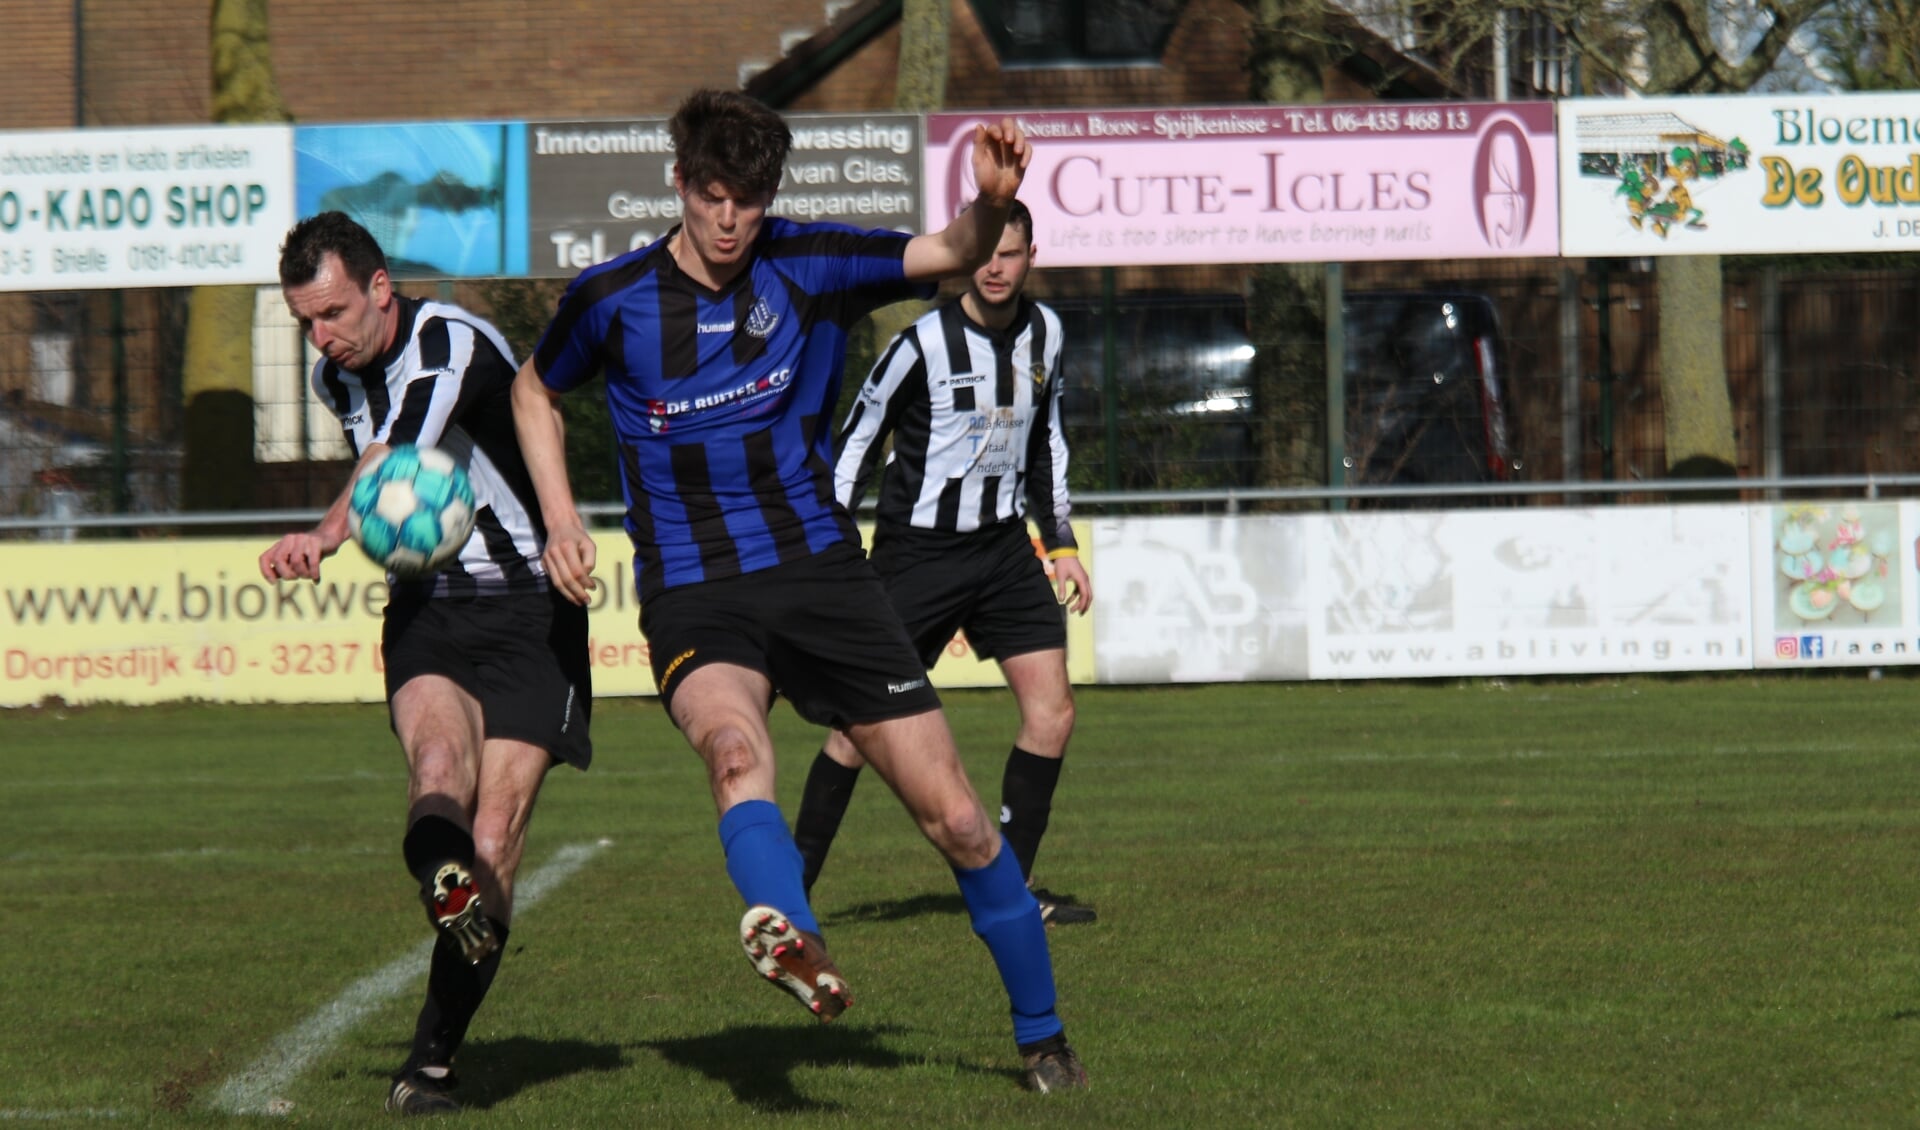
column 1265, row 184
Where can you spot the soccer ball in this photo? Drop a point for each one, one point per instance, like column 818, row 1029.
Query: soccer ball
column 411, row 510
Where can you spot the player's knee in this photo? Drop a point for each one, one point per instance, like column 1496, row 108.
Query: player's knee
column 730, row 755
column 495, row 841
column 962, row 828
column 1057, row 722
column 439, row 762
column 841, row 749
column 1047, row 726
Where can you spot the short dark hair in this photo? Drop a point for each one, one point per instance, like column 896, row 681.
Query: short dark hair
column 1017, row 217
column 312, row 238
column 725, row 136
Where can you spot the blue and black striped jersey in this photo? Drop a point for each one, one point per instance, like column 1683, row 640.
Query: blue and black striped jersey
column 722, row 401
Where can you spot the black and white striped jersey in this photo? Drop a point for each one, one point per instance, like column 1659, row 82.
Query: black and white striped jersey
column 975, row 419
column 447, row 382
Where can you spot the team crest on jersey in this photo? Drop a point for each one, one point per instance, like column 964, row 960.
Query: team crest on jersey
column 1039, row 374
column 761, row 319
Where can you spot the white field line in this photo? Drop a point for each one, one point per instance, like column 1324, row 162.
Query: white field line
column 10, row 1115
column 256, row 1089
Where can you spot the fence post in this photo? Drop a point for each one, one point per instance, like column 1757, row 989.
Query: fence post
column 117, row 313
column 1110, row 378
column 1603, row 275
column 1336, row 303
column 1772, row 456
column 1570, row 432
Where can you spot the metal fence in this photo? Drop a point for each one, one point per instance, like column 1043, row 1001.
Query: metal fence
column 1163, row 394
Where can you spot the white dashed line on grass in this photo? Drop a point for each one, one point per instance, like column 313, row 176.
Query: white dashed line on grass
column 257, row 1088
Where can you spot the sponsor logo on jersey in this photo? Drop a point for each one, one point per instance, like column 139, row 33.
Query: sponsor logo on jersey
column 761, row 319
column 714, row 327
column 762, row 386
column 960, row 380
column 354, row 420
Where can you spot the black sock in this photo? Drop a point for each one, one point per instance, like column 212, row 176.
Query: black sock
column 454, row 992
column 432, row 841
column 1026, row 801
column 822, row 805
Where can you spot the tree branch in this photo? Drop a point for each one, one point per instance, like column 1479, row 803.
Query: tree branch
column 1600, row 55
column 1786, row 20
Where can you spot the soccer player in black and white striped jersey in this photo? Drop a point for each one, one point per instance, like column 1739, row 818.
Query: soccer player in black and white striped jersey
column 487, row 677
column 970, row 395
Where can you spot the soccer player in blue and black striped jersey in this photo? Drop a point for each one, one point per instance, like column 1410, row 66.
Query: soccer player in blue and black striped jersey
column 724, row 346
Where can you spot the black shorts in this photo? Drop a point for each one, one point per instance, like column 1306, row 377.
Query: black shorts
column 987, row 582
column 522, row 656
column 820, row 629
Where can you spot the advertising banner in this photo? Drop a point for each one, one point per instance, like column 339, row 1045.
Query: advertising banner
column 598, row 189
column 167, row 620
column 1200, row 600
column 1833, row 584
column 102, row 209
column 1546, row 591
column 1265, row 184
column 1747, row 174
column 444, row 199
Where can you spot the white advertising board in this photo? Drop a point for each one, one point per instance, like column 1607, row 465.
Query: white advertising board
column 1198, row 600
column 1748, row 174
column 1526, row 592
column 101, row 209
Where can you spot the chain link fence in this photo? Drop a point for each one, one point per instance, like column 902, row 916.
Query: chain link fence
column 1527, row 371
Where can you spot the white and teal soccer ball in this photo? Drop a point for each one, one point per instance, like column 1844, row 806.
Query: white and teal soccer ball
column 411, row 510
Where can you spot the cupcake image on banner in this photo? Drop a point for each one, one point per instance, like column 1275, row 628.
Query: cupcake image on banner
column 1836, row 566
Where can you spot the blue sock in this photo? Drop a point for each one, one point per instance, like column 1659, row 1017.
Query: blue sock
column 763, row 863
column 1008, row 920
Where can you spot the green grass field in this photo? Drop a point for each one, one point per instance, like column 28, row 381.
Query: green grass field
column 1615, row 903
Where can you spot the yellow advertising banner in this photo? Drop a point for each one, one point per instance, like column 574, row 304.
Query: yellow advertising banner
column 160, row 621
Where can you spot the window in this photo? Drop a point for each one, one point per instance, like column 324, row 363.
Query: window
column 1078, row 31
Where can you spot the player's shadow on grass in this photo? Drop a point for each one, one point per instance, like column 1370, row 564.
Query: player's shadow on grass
column 493, row 1071
column 757, row 1062
column 895, row 910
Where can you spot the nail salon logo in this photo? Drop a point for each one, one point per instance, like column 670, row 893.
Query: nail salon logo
column 1503, row 184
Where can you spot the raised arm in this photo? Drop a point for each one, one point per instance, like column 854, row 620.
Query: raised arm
column 1000, row 158
column 570, row 554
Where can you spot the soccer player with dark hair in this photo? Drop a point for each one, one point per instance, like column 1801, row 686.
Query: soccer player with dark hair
column 724, row 345
column 970, row 395
column 488, row 683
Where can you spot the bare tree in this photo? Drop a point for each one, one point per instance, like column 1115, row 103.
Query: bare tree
column 1645, row 46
